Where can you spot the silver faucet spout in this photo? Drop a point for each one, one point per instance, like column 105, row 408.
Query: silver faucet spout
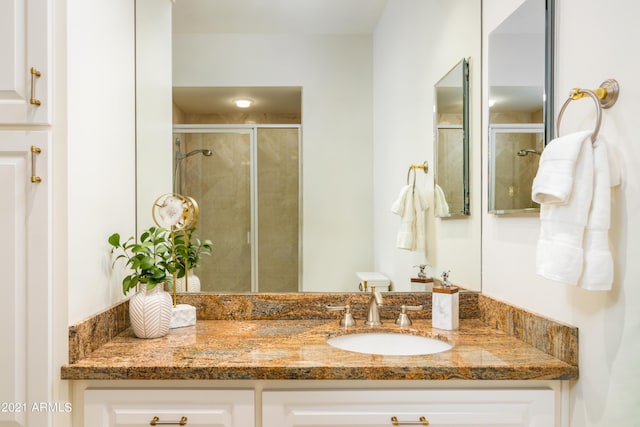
column 373, row 317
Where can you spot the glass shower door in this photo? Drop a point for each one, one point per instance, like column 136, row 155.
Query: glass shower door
column 278, row 209
column 221, row 185
column 248, row 192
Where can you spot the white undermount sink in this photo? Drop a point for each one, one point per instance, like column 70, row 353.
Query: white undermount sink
column 389, row 344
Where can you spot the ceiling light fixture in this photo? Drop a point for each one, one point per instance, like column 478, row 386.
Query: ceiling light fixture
column 243, row 102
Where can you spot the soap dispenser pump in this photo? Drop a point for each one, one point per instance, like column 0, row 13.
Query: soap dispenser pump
column 445, row 305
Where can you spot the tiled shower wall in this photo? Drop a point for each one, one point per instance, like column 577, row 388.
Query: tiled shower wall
column 514, row 174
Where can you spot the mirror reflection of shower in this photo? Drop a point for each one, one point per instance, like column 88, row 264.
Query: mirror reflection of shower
column 248, row 194
column 526, row 152
column 179, row 156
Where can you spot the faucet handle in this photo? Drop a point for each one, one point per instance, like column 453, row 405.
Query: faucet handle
column 403, row 319
column 348, row 320
column 445, row 279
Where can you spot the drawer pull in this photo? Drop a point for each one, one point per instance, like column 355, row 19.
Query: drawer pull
column 34, row 176
column 156, row 422
column 34, row 75
column 422, row 422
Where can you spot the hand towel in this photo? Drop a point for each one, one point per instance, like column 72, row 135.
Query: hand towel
column 597, row 274
column 398, row 206
column 564, row 187
column 440, row 204
column 410, row 205
column 575, row 212
column 556, row 170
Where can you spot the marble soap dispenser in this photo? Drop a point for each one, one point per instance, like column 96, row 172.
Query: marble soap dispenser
column 445, row 305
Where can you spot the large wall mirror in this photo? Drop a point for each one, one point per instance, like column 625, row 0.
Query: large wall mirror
column 520, row 79
column 451, row 116
column 320, row 53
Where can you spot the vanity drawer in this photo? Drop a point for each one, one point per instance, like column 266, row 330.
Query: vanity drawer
column 192, row 407
column 373, row 408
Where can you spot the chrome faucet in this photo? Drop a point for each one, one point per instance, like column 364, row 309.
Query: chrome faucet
column 373, row 318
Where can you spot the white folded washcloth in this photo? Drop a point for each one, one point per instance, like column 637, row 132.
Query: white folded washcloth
column 563, row 186
column 440, row 205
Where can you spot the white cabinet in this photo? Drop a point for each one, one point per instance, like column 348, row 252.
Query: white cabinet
column 25, row 311
column 443, row 407
column 25, row 26
column 191, row 407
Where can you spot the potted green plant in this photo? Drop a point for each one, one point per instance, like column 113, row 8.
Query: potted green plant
column 150, row 264
column 188, row 251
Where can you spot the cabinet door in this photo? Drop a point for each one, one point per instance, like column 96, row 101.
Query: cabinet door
column 193, row 407
column 377, row 408
column 25, row 352
column 24, row 45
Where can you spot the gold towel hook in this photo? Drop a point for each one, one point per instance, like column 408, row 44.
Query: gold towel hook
column 604, row 96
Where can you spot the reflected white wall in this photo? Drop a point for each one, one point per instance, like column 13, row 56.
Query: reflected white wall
column 416, row 43
column 335, row 75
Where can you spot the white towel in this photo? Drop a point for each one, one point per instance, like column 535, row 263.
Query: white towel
column 410, row 205
column 573, row 190
column 598, row 262
column 440, row 204
column 398, row 206
column 556, row 170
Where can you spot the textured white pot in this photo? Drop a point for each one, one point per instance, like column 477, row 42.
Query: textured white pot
column 150, row 312
column 194, row 283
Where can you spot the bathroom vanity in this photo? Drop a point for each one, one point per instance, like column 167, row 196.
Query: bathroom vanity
column 251, row 361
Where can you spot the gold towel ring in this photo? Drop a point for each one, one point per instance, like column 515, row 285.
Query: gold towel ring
column 605, row 97
column 424, row 166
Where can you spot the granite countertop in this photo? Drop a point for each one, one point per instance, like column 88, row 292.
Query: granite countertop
column 297, row 349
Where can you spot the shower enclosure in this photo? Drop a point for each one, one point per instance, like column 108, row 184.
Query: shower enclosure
column 248, row 192
column 514, row 154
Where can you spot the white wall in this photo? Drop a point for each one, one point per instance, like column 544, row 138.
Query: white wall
column 416, row 43
column 590, row 49
column 99, row 166
column 154, row 149
column 335, row 75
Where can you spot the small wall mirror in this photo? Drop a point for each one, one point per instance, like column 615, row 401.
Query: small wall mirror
column 520, row 68
column 451, row 129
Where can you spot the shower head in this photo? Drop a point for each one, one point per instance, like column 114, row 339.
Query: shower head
column 204, row 152
column 525, row 152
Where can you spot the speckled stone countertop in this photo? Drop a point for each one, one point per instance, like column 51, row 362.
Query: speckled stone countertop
column 297, row 349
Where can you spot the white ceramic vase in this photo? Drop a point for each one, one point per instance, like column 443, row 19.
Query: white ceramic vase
column 150, row 312
column 193, row 282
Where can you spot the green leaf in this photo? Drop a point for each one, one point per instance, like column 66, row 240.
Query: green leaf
column 126, row 284
column 114, row 240
column 146, row 262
